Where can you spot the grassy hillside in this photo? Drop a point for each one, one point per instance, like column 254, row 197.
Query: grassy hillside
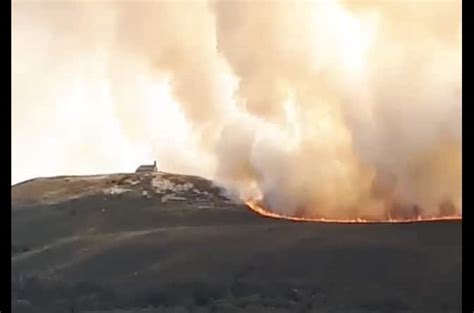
column 172, row 243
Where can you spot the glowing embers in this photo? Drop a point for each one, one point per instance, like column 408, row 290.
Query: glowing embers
column 254, row 206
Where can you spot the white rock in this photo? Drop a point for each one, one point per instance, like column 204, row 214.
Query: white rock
column 115, row 190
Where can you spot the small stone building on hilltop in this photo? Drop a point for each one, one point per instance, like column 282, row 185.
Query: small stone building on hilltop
column 147, row 168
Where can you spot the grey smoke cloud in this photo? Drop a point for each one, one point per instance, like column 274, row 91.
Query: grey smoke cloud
column 324, row 108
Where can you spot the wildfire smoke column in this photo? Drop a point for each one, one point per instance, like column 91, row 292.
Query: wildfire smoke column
column 323, row 109
column 358, row 106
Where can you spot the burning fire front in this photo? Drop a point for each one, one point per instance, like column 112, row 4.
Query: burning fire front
column 257, row 208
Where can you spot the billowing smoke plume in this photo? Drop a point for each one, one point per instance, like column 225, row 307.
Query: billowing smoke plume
column 320, row 109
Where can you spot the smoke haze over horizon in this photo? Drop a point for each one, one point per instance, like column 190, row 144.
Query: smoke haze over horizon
column 323, row 108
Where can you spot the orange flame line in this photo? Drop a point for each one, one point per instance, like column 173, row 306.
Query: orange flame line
column 261, row 211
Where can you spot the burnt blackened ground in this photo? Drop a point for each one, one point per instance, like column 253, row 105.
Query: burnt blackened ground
column 131, row 253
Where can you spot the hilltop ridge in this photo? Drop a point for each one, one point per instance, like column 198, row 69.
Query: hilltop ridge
column 166, row 186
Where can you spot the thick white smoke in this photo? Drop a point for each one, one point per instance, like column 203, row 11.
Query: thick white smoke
column 323, row 108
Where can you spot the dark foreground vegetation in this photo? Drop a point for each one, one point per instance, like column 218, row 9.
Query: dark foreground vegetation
column 133, row 253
